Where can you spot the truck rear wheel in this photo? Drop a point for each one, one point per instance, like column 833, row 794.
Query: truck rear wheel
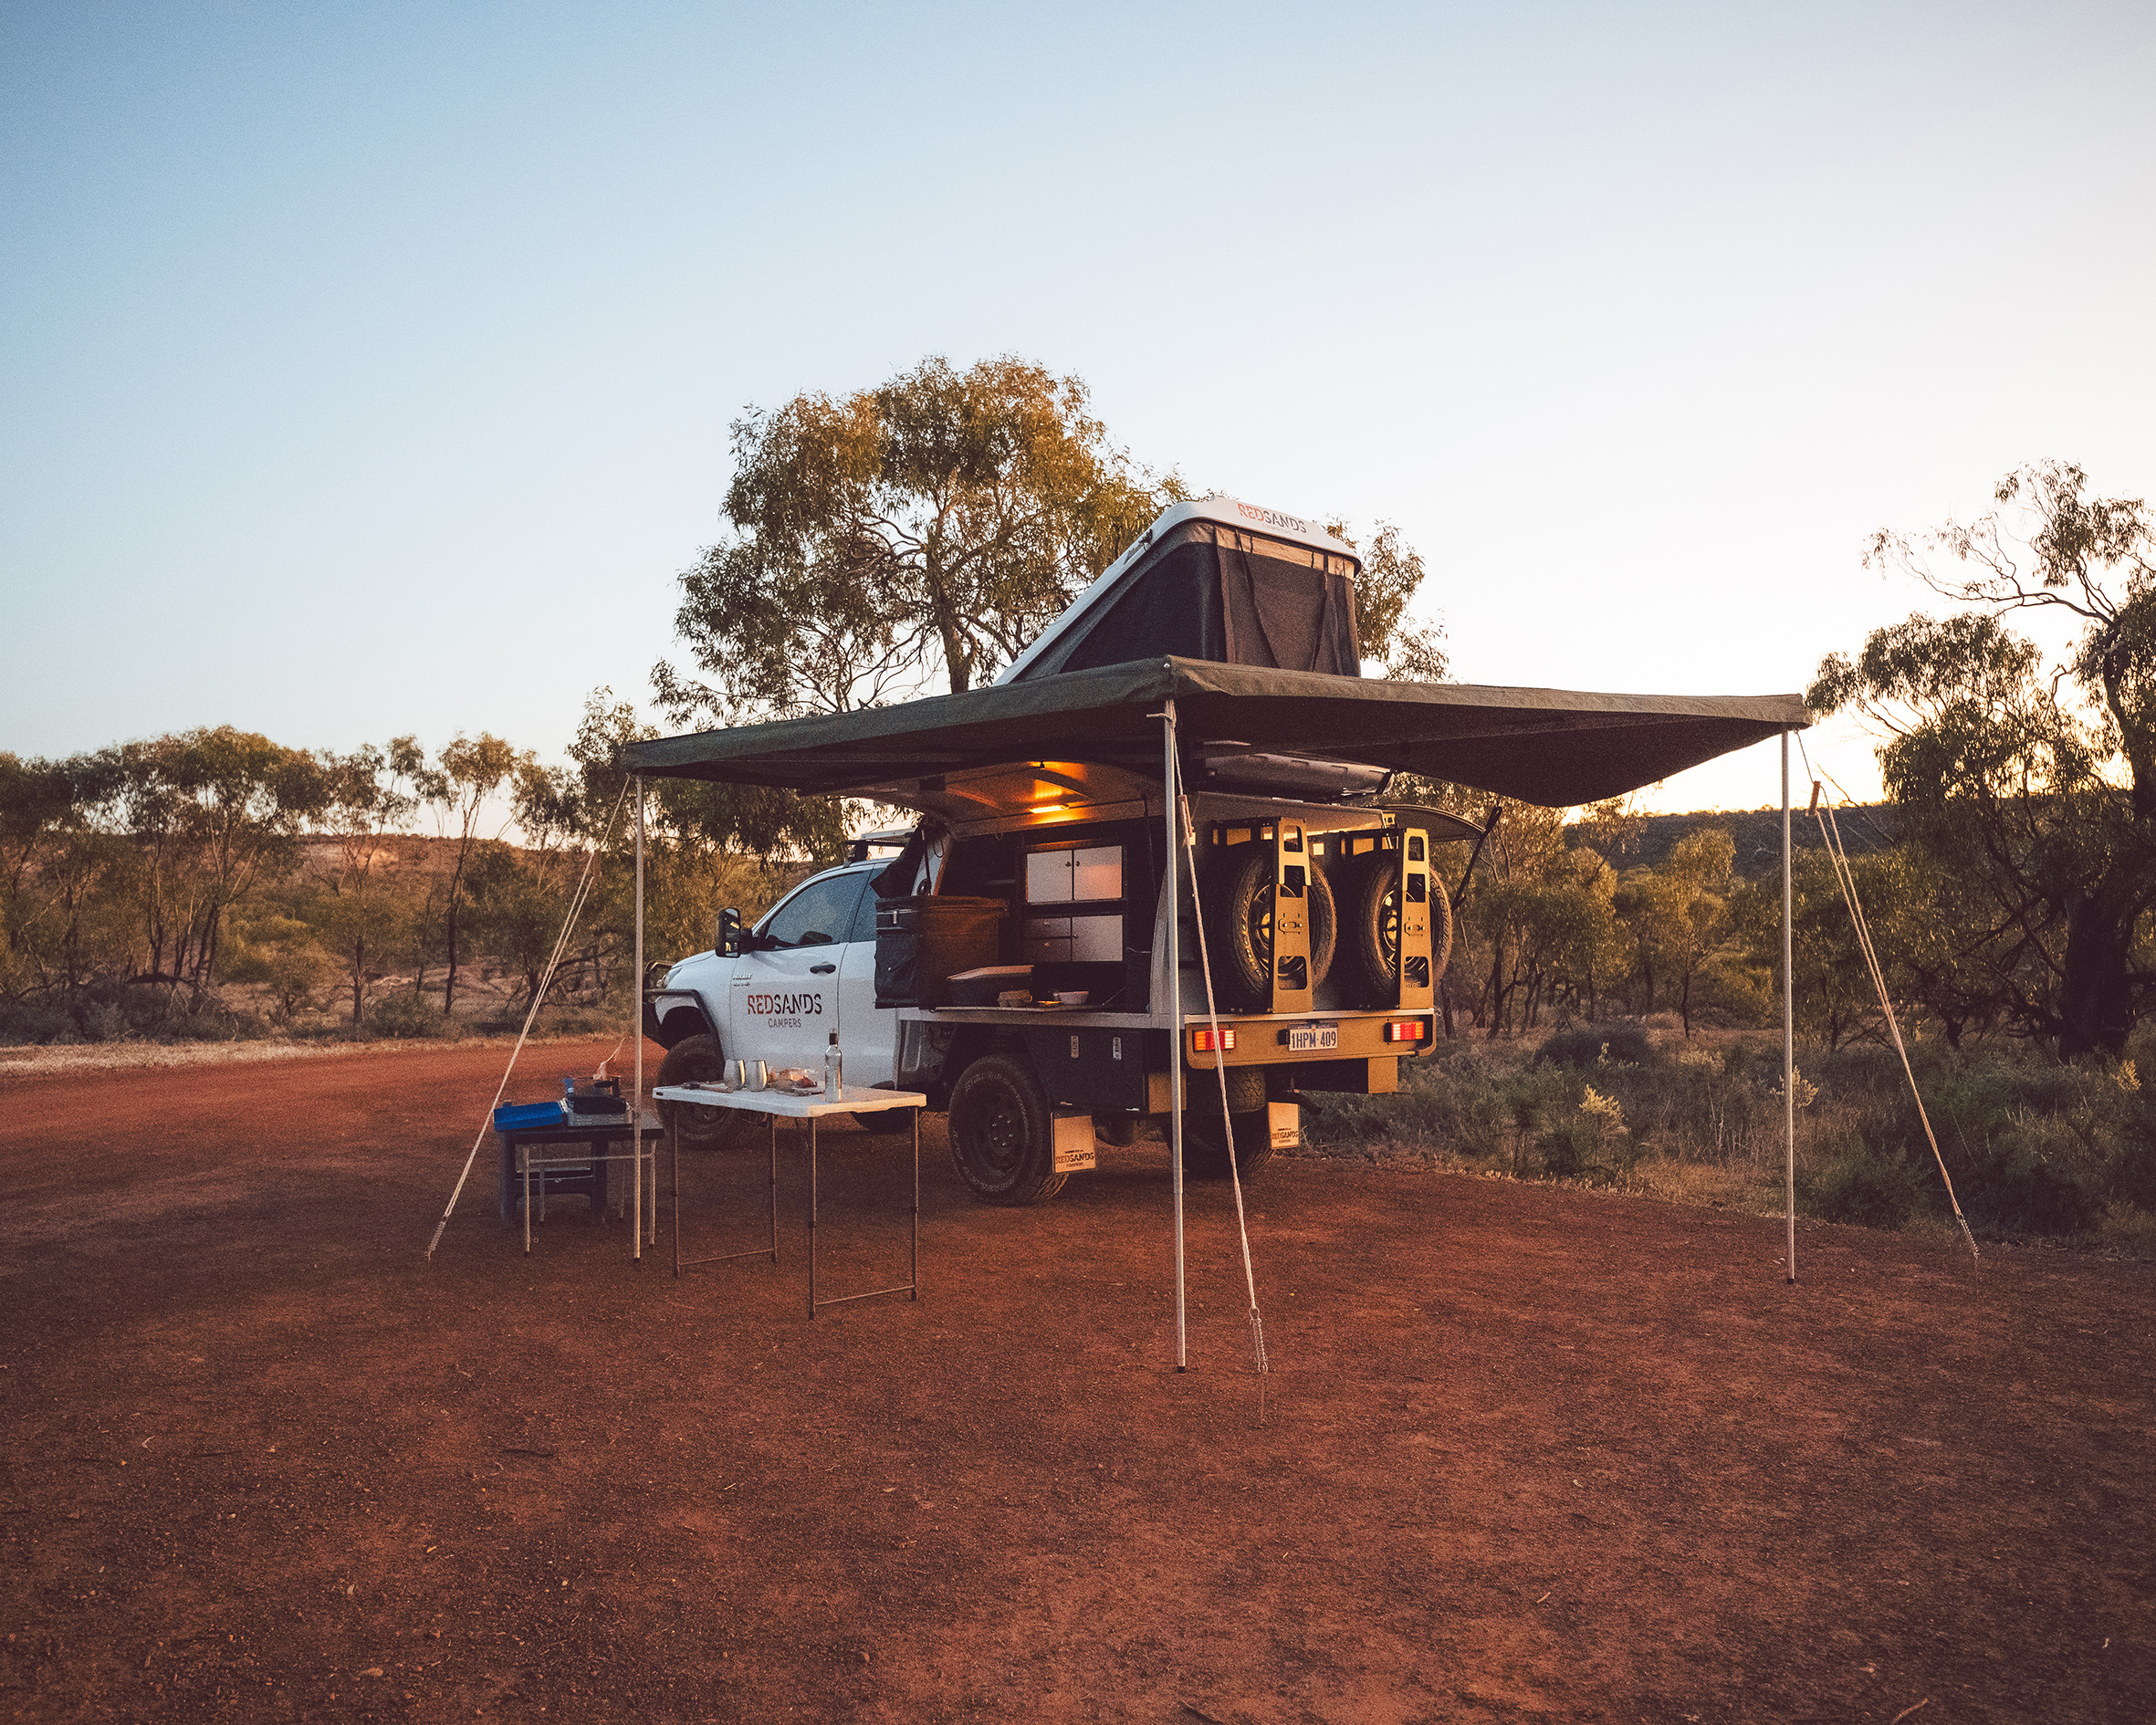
column 1003, row 1132
column 1205, row 1144
column 1239, row 926
column 697, row 1060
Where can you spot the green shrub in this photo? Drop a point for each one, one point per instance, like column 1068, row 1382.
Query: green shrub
column 1868, row 1188
column 1567, row 1147
column 31, row 1021
column 1617, row 1045
column 408, row 1013
column 2012, row 1189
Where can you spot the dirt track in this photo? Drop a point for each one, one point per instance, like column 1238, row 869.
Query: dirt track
column 1532, row 1453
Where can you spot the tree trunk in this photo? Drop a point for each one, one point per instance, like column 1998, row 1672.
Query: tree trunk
column 2095, row 1000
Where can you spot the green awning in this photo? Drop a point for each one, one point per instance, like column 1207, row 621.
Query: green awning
column 1554, row 746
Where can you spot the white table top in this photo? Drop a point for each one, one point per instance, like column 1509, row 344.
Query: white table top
column 849, row 1100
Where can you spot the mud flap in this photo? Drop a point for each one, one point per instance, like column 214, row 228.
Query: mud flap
column 1284, row 1126
column 1073, row 1142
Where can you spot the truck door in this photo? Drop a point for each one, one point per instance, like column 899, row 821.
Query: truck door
column 785, row 1000
column 870, row 1037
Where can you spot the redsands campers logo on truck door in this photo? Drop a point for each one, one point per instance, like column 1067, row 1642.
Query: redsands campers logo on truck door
column 780, row 1010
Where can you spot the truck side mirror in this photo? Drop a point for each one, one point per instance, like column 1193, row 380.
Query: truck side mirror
column 729, row 932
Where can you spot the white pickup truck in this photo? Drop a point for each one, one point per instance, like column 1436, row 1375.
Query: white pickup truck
column 1014, row 964
column 1326, row 929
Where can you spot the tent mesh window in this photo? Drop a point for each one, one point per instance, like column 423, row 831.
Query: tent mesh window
column 1210, row 591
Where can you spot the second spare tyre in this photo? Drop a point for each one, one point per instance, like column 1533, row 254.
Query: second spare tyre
column 1370, row 929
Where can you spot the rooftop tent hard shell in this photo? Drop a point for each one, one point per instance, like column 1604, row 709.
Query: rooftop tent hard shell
column 1214, row 579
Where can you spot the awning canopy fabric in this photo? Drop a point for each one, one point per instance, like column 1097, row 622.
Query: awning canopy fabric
column 1554, row 746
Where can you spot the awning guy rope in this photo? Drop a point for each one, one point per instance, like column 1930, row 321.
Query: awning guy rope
column 1830, row 834
column 568, row 922
column 1212, row 1013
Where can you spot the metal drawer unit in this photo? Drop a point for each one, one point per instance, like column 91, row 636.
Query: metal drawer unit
column 1083, row 885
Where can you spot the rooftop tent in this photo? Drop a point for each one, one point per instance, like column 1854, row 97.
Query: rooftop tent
column 1217, row 580
column 1554, row 746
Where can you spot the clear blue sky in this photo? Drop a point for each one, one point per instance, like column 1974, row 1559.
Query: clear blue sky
column 368, row 369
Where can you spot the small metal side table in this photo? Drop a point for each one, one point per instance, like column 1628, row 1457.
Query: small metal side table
column 531, row 1156
column 775, row 1105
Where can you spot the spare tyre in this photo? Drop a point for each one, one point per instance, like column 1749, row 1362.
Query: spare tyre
column 1370, row 964
column 1239, row 926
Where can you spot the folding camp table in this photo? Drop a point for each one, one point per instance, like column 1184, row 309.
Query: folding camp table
column 544, row 1157
column 773, row 1105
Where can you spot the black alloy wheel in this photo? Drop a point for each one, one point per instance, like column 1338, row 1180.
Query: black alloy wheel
column 1002, row 1133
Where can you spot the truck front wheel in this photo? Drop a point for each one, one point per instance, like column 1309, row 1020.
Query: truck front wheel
column 696, row 1058
column 1002, row 1133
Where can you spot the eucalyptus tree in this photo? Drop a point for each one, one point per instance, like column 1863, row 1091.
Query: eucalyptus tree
column 465, row 775
column 2032, row 783
column 369, row 796
column 920, row 531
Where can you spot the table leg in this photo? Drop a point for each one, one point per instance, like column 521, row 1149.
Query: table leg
column 525, row 1152
column 914, row 1275
column 812, row 1216
column 771, row 1138
column 674, row 1142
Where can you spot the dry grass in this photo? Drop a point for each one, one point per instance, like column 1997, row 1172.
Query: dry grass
column 2036, row 1150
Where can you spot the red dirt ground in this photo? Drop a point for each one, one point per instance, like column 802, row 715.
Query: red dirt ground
column 1531, row 1453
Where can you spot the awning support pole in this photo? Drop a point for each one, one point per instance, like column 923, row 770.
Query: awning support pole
column 1175, row 998
column 1788, row 1024
column 636, row 1031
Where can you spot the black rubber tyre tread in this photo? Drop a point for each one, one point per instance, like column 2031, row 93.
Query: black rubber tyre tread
column 1205, row 1148
column 1369, row 975
column 1002, row 1133
column 1239, row 926
column 1119, row 1130
column 699, row 1059
column 1242, row 974
column 1440, row 928
column 1324, row 927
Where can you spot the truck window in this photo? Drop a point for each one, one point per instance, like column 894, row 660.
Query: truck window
column 865, row 918
column 820, row 913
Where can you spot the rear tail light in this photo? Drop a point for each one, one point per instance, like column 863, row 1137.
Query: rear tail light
column 1404, row 1030
column 1202, row 1043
